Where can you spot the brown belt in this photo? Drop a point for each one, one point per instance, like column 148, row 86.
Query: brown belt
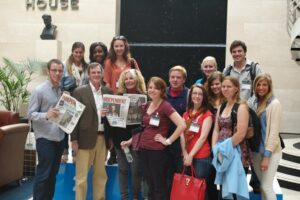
column 100, row 132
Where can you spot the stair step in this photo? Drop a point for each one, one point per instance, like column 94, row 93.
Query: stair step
column 288, row 181
column 288, row 171
column 290, row 164
column 291, row 153
column 287, row 177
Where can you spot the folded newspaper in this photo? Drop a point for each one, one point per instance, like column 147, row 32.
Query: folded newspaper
column 70, row 111
column 117, row 107
column 135, row 111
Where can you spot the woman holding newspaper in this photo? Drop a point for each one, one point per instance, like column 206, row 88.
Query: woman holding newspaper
column 131, row 82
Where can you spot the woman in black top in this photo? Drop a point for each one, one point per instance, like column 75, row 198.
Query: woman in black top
column 131, row 82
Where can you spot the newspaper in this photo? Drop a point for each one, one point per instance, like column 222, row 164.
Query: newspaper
column 117, row 107
column 135, row 111
column 70, row 111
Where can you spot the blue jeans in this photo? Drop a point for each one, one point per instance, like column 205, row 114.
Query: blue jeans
column 203, row 168
column 49, row 156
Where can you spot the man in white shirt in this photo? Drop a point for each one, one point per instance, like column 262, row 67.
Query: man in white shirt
column 88, row 139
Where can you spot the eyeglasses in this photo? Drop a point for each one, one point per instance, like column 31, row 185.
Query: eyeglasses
column 119, row 37
column 197, row 93
column 56, row 70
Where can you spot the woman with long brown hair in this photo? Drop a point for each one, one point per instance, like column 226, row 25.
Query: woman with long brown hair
column 214, row 90
column 194, row 144
column 74, row 75
column 119, row 59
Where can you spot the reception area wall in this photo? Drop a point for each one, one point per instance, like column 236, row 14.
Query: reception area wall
column 260, row 23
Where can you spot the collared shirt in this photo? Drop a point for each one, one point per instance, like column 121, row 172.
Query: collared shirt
column 99, row 101
column 42, row 99
column 244, row 77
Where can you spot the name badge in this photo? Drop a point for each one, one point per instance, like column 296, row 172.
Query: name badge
column 246, row 86
column 154, row 120
column 194, row 127
column 117, row 84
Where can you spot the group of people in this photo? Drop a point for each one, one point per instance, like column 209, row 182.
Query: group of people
column 180, row 126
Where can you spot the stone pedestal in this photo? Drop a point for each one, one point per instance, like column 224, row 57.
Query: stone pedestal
column 45, row 50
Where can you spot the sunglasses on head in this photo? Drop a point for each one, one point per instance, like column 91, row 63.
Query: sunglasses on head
column 120, row 37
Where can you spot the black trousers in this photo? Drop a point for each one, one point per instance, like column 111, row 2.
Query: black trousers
column 155, row 165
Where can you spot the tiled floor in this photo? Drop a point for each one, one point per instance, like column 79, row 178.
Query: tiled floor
column 290, row 194
column 14, row 192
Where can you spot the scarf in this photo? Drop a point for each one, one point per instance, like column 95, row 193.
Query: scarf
column 188, row 137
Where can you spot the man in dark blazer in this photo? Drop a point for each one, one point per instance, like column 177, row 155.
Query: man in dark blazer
column 88, row 140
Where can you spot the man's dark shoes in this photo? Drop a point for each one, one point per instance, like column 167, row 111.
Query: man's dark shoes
column 112, row 160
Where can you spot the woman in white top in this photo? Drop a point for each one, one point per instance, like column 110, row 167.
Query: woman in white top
column 268, row 109
column 74, row 75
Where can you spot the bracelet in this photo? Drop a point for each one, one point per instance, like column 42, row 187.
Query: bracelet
column 168, row 141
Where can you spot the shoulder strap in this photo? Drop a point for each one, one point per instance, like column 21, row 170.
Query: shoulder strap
column 222, row 108
column 132, row 66
column 234, row 111
column 228, row 70
column 253, row 70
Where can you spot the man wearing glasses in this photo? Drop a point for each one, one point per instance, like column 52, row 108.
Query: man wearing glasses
column 49, row 137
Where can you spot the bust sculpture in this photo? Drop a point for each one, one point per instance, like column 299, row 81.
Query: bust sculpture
column 49, row 31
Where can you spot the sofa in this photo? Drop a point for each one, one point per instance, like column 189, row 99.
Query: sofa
column 12, row 145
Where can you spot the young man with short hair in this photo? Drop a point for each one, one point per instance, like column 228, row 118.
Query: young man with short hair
column 49, row 137
column 242, row 68
column 246, row 71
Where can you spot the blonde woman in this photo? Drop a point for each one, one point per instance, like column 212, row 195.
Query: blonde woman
column 268, row 108
column 225, row 128
column 131, row 82
column 208, row 66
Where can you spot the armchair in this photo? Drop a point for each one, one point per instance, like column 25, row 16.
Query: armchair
column 12, row 144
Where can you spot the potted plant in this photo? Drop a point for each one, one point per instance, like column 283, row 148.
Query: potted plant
column 14, row 79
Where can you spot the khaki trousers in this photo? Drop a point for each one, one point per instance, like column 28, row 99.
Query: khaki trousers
column 86, row 158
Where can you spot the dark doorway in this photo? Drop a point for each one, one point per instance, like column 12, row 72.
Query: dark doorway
column 166, row 33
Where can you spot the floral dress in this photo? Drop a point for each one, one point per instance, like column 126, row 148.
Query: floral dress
column 225, row 125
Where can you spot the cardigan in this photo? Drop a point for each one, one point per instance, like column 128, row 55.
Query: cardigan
column 273, row 115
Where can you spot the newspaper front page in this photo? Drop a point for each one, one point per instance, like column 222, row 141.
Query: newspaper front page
column 117, row 107
column 135, row 111
column 70, row 111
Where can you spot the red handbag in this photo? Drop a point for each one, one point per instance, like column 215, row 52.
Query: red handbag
column 188, row 187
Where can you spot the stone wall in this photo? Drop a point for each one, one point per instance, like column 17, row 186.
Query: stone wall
column 262, row 25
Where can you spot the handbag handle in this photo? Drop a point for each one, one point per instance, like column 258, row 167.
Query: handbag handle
column 192, row 169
